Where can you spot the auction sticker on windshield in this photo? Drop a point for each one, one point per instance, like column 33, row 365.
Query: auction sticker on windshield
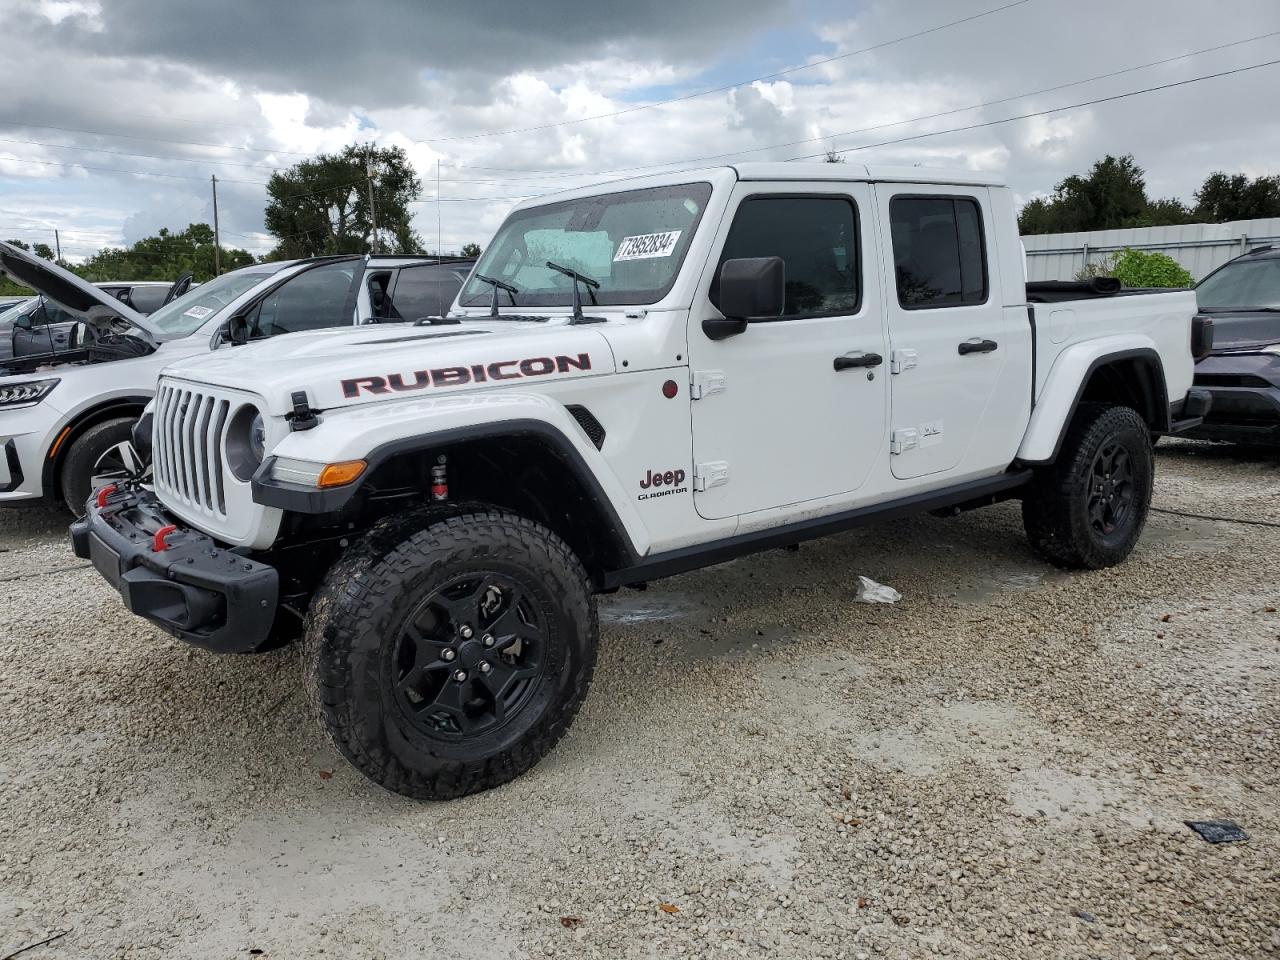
column 197, row 312
column 647, row 246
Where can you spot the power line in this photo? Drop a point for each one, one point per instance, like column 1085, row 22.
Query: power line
column 1042, row 113
column 731, row 86
column 133, row 136
column 141, row 156
column 881, row 126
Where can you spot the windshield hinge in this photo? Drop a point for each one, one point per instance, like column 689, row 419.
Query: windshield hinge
column 302, row 417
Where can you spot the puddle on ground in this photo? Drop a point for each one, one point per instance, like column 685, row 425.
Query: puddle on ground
column 641, row 606
column 1005, row 581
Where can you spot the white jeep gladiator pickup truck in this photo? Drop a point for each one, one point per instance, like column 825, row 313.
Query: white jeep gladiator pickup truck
column 637, row 379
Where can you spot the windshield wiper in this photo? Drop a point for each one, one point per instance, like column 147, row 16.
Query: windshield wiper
column 591, row 285
column 498, row 285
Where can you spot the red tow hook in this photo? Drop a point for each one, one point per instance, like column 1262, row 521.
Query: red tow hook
column 105, row 492
column 158, row 541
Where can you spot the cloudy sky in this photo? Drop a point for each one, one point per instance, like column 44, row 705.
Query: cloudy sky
column 116, row 112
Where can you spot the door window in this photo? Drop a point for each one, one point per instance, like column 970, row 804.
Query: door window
column 938, row 251
column 428, row 290
column 315, row 299
column 816, row 237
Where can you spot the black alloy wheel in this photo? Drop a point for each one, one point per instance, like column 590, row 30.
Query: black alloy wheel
column 469, row 656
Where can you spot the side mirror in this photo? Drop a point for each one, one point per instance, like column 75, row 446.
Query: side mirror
column 751, row 288
column 23, row 322
column 236, row 331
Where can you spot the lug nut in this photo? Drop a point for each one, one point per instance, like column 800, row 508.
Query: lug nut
column 447, row 654
column 466, row 632
column 459, row 675
column 487, row 640
column 485, row 668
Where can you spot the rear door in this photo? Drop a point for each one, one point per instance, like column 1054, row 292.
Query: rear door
column 946, row 324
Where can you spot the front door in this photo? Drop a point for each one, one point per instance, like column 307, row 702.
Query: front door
column 793, row 409
column 946, row 324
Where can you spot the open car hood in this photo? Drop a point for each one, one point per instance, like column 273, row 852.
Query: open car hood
column 69, row 291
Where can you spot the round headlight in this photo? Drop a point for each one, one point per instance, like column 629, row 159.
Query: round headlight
column 258, row 438
column 246, row 442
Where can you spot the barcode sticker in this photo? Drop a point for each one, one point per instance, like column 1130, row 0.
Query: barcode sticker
column 648, row 246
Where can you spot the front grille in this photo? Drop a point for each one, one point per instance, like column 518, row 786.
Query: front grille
column 187, row 445
column 1229, row 380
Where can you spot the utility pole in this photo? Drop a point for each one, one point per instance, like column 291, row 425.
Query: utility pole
column 439, row 221
column 217, row 243
column 373, row 212
column 57, row 245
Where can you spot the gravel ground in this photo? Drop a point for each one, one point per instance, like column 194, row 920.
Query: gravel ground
column 997, row 766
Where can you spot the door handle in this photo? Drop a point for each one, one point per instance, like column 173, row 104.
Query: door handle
column 975, row 345
column 858, row 359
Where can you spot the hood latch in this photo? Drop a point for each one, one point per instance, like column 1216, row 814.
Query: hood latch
column 302, row 417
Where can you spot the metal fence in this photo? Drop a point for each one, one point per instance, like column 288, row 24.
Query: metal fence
column 1200, row 247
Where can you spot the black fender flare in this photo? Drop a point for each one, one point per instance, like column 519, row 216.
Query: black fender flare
column 296, row 498
column 1160, row 401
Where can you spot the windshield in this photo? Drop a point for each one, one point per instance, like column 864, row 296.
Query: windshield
column 194, row 308
column 632, row 243
column 1243, row 285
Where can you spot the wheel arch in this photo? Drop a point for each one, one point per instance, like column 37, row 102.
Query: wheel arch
column 74, row 428
column 1131, row 376
column 526, row 466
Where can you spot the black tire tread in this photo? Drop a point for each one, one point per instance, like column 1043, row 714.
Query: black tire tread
column 77, row 466
column 1056, row 531
column 360, row 584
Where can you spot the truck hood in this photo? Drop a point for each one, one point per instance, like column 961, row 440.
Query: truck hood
column 68, row 290
column 379, row 363
column 1243, row 330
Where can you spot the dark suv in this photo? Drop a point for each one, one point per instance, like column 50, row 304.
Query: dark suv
column 1243, row 299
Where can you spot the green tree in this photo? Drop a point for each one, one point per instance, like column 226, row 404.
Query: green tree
column 1113, row 194
column 1224, row 197
column 164, row 256
column 43, row 250
column 19, row 244
column 321, row 206
column 471, row 249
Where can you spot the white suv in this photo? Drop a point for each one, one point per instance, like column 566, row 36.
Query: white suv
column 67, row 412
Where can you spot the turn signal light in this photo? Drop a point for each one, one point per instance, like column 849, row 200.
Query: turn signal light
column 340, row 474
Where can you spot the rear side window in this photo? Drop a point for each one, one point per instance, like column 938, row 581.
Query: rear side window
column 939, row 252
column 148, row 299
column 427, row 291
column 816, row 237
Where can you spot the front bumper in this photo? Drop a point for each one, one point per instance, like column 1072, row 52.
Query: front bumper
column 1246, row 397
column 194, row 589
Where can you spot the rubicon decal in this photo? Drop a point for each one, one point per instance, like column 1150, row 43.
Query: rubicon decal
column 457, row 376
column 673, row 480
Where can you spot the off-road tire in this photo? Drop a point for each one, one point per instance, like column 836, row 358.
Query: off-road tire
column 1055, row 510
column 358, row 617
column 75, row 479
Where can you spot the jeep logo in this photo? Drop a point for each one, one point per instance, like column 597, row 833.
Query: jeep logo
column 672, row 478
column 671, row 481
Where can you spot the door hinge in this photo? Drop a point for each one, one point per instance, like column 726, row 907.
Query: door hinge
column 708, row 475
column 901, row 360
column 908, row 438
column 703, row 383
